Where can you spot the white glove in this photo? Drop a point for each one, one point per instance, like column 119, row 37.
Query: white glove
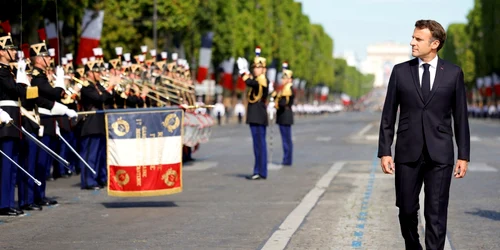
column 21, row 76
column 271, row 87
column 58, row 109
column 59, row 78
column 58, row 130
column 71, row 113
column 271, row 109
column 242, row 65
column 5, row 117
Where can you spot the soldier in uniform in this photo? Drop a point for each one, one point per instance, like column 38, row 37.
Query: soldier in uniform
column 66, row 127
column 283, row 98
column 10, row 91
column 47, row 129
column 256, row 111
column 93, row 127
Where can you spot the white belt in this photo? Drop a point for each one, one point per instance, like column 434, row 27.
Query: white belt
column 44, row 111
column 8, row 103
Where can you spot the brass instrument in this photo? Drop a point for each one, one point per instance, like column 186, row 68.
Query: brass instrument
column 166, row 95
column 189, row 89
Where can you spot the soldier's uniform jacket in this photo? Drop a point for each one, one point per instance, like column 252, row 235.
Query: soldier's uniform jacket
column 93, row 97
column 257, row 96
column 50, row 93
column 10, row 92
column 284, row 98
column 31, row 105
column 134, row 101
column 151, row 103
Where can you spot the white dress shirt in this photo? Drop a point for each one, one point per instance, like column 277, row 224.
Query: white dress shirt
column 432, row 69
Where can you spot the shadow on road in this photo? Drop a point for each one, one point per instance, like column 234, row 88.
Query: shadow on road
column 137, row 204
column 488, row 214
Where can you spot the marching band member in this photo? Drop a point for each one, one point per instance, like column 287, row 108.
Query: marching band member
column 47, row 130
column 92, row 131
column 256, row 111
column 283, row 98
column 10, row 91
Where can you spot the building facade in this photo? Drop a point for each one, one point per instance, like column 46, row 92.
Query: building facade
column 381, row 58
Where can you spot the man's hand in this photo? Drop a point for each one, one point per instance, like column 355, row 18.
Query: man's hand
column 387, row 164
column 460, row 169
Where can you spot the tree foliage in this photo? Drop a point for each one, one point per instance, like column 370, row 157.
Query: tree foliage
column 475, row 46
column 280, row 28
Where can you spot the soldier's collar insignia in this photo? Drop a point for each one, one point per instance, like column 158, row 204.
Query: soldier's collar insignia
column 35, row 72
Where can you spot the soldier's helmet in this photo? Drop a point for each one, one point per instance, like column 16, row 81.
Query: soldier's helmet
column 259, row 61
column 39, row 49
column 6, row 43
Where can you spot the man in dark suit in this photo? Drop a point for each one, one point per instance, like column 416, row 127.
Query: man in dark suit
column 428, row 92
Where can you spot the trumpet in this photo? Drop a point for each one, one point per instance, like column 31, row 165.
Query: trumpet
column 170, row 84
column 165, row 95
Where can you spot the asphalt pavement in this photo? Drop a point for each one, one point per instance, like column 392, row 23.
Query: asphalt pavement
column 335, row 196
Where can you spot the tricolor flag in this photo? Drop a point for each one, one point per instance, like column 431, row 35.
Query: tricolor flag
column 205, row 56
column 144, row 152
column 52, row 37
column 488, row 85
column 496, row 83
column 91, row 33
column 227, row 79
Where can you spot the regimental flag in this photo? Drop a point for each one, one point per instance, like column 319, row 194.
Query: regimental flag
column 144, row 153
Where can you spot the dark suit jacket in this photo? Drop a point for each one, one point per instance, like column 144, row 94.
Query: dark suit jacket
column 426, row 123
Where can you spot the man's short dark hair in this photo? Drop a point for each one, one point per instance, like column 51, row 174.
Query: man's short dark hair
column 437, row 31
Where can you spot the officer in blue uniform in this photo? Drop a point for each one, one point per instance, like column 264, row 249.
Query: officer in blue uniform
column 92, row 131
column 47, row 130
column 256, row 111
column 10, row 92
column 283, row 98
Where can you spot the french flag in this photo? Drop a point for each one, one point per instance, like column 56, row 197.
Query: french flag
column 227, row 79
column 496, row 83
column 205, row 56
column 91, row 33
column 52, row 37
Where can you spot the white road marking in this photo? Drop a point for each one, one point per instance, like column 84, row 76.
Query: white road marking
column 481, row 167
column 200, row 166
column 371, row 137
column 365, row 129
column 326, row 138
column 272, row 166
column 475, row 138
column 280, row 238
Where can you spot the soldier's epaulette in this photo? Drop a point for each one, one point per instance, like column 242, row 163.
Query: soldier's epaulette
column 32, row 92
column 262, row 80
column 35, row 73
column 287, row 90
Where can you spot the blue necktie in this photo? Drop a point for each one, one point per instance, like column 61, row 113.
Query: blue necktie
column 426, row 82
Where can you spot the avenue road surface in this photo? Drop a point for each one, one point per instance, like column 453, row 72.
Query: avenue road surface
column 335, row 196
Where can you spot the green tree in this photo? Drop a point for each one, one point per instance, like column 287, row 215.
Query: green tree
column 457, row 49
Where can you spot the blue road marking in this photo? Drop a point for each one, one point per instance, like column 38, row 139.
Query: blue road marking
column 363, row 214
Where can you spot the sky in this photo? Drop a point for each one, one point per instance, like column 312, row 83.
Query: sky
column 356, row 24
